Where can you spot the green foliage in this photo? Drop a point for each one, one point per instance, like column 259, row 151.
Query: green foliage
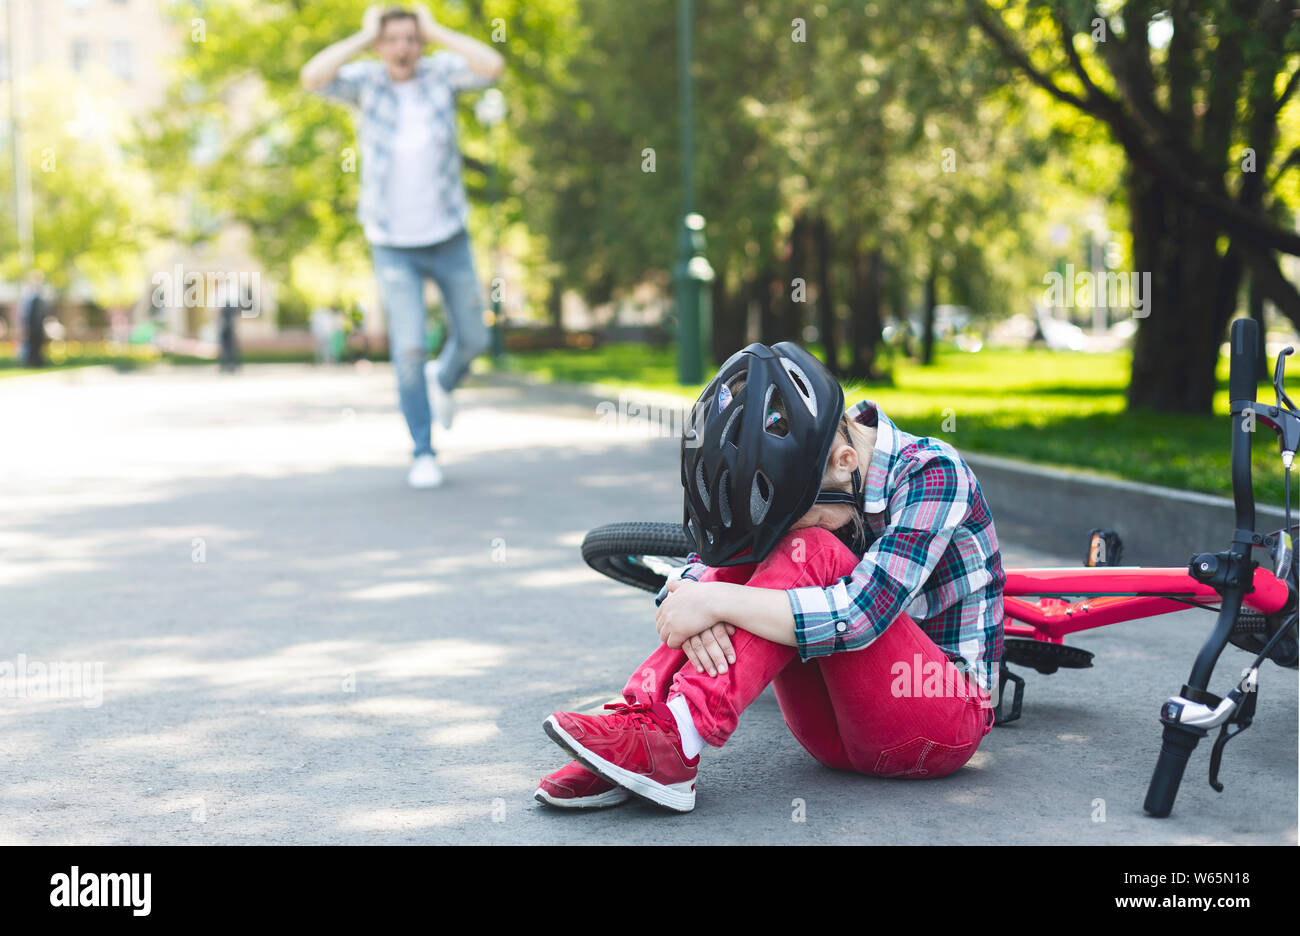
column 852, row 114
column 93, row 205
column 1054, row 408
column 242, row 141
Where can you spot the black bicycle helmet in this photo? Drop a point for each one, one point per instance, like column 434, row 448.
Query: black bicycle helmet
column 755, row 451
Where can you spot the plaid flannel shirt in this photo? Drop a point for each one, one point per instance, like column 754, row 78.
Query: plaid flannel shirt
column 366, row 85
column 932, row 554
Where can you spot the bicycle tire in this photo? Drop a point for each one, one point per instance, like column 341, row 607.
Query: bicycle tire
column 618, row 551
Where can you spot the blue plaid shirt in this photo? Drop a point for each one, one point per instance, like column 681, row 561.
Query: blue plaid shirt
column 365, row 84
column 932, row 553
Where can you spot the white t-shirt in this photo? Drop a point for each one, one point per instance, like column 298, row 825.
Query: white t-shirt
column 416, row 216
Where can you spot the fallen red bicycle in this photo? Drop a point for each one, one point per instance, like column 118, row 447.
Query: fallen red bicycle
column 1256, row 606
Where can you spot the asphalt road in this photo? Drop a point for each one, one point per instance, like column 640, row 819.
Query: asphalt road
column 295, row 648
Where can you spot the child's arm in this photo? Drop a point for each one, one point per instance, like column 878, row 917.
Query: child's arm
column 928, row 506
column 713, row 651
column 765, row 611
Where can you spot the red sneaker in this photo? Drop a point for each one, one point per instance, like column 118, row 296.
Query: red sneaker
column 575, row 787
column 636, row 746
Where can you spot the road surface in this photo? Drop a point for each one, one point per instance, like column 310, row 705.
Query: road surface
column 295, row 648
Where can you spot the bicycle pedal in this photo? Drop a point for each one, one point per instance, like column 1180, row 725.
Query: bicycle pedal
column 1001, row 717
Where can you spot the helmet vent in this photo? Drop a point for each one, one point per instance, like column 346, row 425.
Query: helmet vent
column 731, row 424
column 760, row 497
column 701, row 484
column 775, row 414
column 728, row 390
column 801, row 383
column 724, row 499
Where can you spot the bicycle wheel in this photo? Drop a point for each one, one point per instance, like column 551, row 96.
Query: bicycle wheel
column 637, row 553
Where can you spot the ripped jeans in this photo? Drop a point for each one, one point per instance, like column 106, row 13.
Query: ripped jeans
column 401, row 272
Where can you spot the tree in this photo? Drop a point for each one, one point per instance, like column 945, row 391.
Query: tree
column 1194, row 94
column 93, row 203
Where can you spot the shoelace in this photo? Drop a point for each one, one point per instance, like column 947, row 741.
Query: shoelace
column 635, row 714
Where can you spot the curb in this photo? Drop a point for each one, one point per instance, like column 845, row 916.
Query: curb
column 1053, row 509
column 1044, row 508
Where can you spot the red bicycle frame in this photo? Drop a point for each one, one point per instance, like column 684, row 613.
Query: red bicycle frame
column 1109, row 595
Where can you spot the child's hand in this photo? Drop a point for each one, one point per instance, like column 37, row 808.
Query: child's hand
column 687, row 615
column 711, row 650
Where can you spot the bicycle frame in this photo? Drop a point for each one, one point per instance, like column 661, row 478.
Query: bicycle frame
column 1111, row 595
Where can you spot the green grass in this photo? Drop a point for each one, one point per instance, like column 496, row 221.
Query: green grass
column 621, row 365
column 65, row 355
column 1054, row 408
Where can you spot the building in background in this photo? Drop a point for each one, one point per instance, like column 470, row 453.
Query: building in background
column 115, row 56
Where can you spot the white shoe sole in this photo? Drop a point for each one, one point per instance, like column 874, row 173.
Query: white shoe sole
column 614, row 797
column 425, row 484
column 679, row 797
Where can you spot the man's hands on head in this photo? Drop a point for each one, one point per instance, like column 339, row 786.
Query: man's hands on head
column 323, row 67
column 686, row 620
column 370, row 21
column 428, row 25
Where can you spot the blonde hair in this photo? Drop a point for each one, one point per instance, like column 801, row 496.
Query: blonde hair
column 863, row 440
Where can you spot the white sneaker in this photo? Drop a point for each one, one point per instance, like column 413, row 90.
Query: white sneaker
column 443, row 408
column 425, row 472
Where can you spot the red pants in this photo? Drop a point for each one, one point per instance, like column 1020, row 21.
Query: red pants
column 896, row 708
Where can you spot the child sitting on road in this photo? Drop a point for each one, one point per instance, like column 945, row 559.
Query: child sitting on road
column 873, row 607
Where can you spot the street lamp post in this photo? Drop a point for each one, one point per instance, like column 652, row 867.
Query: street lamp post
column 491, row 111
column 22, row 186
column 691, row 273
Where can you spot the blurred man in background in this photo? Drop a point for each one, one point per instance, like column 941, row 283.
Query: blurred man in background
column 412, row 204
column 31, row 313
column 227, row 336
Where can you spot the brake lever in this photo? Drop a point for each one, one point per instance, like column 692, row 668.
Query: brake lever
column 1279, row 372
column 1234, row 726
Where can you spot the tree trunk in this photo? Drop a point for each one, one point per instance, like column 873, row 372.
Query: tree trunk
column 1177, row 344
column 1256, row 303
column 790, row 309
column 729, row 319
column 927, row 325
column 864, row 313
column 555, row 304
column 763, row 294
column 825, row 297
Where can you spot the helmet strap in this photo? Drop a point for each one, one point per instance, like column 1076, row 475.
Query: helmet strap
column 843, row 497
column 852, row 500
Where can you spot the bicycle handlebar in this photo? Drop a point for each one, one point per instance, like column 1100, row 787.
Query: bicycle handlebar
column 1175, row 749
column 1178, row 740
column 1242, row 375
